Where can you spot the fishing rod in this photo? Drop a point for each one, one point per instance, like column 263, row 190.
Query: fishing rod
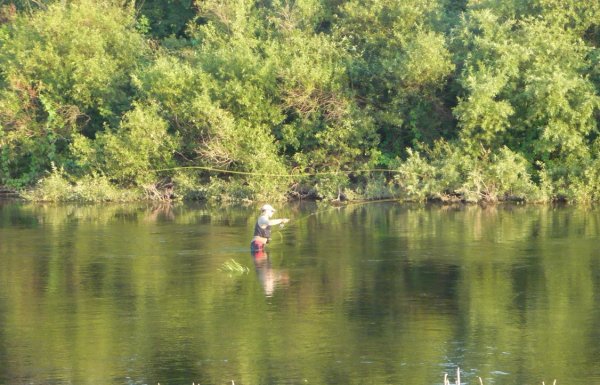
column 342, row 206
column 283, row 227
column 300, row 174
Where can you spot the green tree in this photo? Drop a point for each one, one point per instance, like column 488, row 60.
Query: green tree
column 527, row 86
column 399, row 66
column 129, row 154
column 65, row 69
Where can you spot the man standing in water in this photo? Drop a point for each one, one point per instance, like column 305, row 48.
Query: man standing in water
column 262, row 229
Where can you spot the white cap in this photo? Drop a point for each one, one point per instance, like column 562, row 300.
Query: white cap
column 267, row 207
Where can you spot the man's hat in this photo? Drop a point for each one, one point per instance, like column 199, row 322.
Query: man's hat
column 267, row 207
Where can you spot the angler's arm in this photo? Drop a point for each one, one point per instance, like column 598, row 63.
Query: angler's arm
column 273, row 222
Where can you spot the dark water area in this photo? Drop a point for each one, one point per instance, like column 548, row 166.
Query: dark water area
column 378, row 293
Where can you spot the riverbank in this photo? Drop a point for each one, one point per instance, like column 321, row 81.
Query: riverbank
column 56, row 188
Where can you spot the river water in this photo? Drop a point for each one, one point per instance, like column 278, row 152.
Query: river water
column 378, row 293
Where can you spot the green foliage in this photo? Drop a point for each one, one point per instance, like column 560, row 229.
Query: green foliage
column 54, row 187
column 525, row 87
column 233, row 267
column 446, row 173
column 130, row 154
column 288, row 99
column 77, row 55
column 499, row 176
column 399, row 64
column 426, row 62
column 218, row 133
column 576, row 179
column 65, row 69
column 377, row 187
column 166, row 17
column 57, row 187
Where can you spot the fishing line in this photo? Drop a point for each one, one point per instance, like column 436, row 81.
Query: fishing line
column 300, row 174
column 251, row 173
column 341, row 206
column 332, row 207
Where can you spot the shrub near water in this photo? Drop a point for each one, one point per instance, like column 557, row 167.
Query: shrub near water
column 65, row 70
column 215, row 130
column 446, row 173
column 129, row 154
column 91, row 188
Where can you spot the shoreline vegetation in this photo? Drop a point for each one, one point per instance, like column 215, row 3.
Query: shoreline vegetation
column 58, row 187
column 245, row 100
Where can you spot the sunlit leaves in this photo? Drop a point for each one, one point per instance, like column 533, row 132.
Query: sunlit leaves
column 481, row 115
column 283, row 87
column 131, row 153
column 65, row 69
column 426, row 61
column 449, row 173
column 525, row 87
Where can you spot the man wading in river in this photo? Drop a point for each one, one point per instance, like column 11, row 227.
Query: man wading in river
column 262, row 229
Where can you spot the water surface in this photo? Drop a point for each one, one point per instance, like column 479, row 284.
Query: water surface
column 378, row 293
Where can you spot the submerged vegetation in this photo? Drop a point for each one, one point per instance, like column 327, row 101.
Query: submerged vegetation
column 233, row 267
column 466, row 100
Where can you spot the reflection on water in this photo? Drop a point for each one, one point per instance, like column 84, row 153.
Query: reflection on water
column 269, row 277
column 378, row 293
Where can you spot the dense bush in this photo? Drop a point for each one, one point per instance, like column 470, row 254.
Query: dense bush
column 57, row 187
column 447, row 173
column 65, row 70
column 246, row 100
